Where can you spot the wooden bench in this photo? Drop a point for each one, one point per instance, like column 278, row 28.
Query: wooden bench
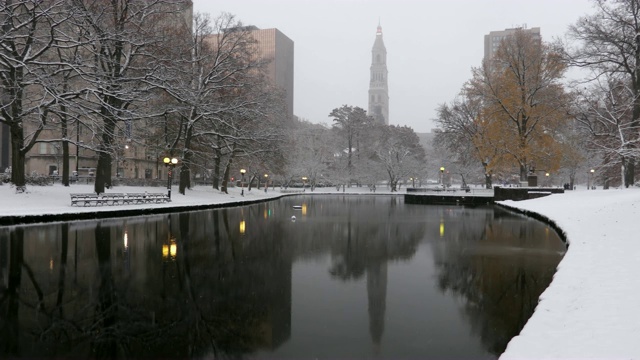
column 117, row 199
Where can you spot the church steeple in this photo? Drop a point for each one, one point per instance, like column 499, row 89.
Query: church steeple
column 378, row 86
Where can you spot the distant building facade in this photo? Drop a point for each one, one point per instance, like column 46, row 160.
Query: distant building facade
column 494, row 38
column 378, row 85
column 273, row 44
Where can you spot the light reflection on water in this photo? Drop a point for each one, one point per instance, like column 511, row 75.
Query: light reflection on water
column 350, row 277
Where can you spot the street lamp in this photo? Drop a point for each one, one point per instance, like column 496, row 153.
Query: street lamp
column 242, row 171
column 442, row 175
column 169, row 163
column 413, row 182
column 304, row 183
column 589, row 177
column 266, row 182
column 547, row 176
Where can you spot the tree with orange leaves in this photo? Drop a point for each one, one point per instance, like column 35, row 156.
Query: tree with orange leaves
column 524, row 105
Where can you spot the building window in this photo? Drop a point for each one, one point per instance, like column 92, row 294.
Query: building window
column 43, row 148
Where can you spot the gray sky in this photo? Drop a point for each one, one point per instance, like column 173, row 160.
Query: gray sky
column 431, row 46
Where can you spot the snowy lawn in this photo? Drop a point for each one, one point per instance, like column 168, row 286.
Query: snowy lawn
column 590, row 310
column 592, row 307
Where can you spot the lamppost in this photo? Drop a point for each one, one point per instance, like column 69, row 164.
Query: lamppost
column 589, row 177
column 547, row 177
column 442, row 175
column 304, row 183
column 242, row 171
column 413, row 182
column 266, row 182
column 169, row 163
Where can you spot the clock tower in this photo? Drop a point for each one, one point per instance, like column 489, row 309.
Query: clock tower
column 378, row 87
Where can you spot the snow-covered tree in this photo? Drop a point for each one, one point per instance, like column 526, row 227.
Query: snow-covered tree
column 123, row 43
column 608, row 44
column 605, row 111
column 30, row 35
column 400, row 153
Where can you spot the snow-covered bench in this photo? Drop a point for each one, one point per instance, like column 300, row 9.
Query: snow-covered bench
column 111, row 199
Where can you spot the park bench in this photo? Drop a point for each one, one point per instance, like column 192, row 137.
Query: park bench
column 117, row 199
column 145, row 198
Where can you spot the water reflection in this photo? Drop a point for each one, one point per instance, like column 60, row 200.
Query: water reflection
column 351, row 277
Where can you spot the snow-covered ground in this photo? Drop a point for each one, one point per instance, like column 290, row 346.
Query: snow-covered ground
column 592, row 307
column 55, row 199
column 590, row 310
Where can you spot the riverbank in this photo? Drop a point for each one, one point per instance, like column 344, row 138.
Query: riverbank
column 53, row 203
column 588, row 311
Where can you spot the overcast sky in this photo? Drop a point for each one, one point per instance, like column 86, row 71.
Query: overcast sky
column 431, row 46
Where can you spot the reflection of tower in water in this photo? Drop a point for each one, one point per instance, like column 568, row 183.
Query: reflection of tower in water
column 377, row 296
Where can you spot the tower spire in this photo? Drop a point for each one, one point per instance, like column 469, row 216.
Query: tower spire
column 378, row 85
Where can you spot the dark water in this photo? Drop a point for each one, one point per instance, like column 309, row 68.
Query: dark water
column 351, row 277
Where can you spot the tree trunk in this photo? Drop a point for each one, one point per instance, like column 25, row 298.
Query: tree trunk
column 65, row 146
column 225, row 177
column 523, row 172
column 103, row 168
column 185, row 176
column 629, row 173
column 18, row 177
column 65, row 162
column 185, row 171
column 216, row 168
column 487, row 181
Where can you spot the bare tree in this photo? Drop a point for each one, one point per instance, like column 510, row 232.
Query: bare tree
column 609, row 44
column 121, row 46
column 220, row 98
column 605, row 111
column 312, row 150
column 30, row 30
column 400, row 153
column 349, row 121
column 462, row 132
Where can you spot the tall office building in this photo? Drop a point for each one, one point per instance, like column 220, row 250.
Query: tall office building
column 378, row 87
column 493, row 39
column 272, row 44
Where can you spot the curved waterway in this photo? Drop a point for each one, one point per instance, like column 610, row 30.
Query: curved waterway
column 301, row 277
